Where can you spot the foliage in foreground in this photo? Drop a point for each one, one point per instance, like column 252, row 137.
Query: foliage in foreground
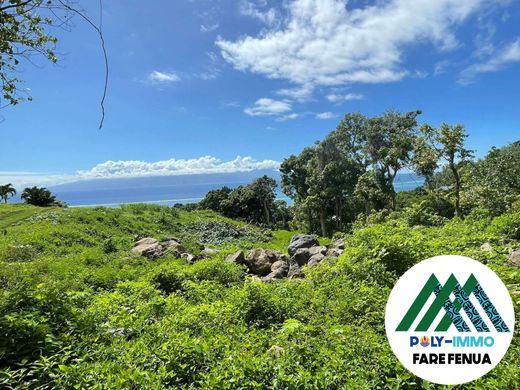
column 77, row 310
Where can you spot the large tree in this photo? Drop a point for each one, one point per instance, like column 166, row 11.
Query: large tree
column 38, row 196
column 390, row 142
column 447, row 145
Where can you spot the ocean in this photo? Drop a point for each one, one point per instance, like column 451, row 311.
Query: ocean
column 169, row 190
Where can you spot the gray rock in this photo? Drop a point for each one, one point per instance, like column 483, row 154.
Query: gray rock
column 279, row 270
column 302, row 241
column 317, row 249
column 339, row 243
column 486, row 247
column 315, row 260
column 148, row 247
column 259, row 261
column 172, row 247
column 334, row 252
column 209, row 252
column 190, row 257
column 294, row 271
column 301, row 256
column 515, row 258
column 237, row 258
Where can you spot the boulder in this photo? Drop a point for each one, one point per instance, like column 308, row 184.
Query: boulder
column 279, row 270
column 190, row 258
column 237, row 258
column 301, row 256
column 294, row 271
column 317, row 249
column 148, row 247
column 515, row 258
column 315, row 260
column 339, row 243
column 259, row 261
column 172, row 247
column 302, row 241
column 486, row 247
column 334, row 252
column 209, row 252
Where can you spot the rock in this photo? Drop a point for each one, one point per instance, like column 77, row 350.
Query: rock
column 486, row 247
column 190, row 258
column 259, row 261
column 279, row 270
column 301, row 256
column 315, row 260
column 148, row 247
column 317, row 249
column 339, row 243
column 153, row 249
column 294, row 271
column 515, row 258
column 302, row 241
column 334, row 252
column 172, row 247
column 146, row 241
column 237, row 258
column 209, row 252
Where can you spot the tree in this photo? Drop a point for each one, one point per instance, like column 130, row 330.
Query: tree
column 38, row 196
column 24, row 35
column 264, row 189
column 448, row 142
column 7, row 191
column 390, row 142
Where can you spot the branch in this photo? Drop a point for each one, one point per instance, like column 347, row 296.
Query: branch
column 102, row 39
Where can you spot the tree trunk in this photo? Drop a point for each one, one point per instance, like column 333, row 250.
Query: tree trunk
column 458, row 211
column 266, row 211
column 322, row 222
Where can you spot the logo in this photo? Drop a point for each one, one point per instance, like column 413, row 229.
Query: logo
column 444, row 331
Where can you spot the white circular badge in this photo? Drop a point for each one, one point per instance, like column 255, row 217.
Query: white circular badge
column 449, row 319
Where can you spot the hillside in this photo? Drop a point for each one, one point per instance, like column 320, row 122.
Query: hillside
column 78, row 309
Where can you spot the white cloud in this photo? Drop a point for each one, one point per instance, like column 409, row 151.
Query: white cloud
column 249, row 8
column 131, row 168
column 208, row 28
column 21, row 180
column 301, row 94
column 268, row 107
column 499, row 59
column 326, row 115
column 287, row 117
column 336, row 98
column 322, row 43
column 162, row 77
column 172, row 167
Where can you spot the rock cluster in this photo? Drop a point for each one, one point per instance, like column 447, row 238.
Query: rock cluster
column 154, row 249
column 272, row 265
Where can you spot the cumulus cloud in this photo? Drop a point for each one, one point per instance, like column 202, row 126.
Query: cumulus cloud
column 507, row 55
column 162, row 77
column 172, row 167
column 336, row 97
column 325, row 115
column 268, row 107
column 269, row 16
column 287, row 117
column 324, row 43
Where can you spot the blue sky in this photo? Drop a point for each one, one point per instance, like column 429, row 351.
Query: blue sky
column 196, row 83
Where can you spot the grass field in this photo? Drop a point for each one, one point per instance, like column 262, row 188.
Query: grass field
column 11, row 214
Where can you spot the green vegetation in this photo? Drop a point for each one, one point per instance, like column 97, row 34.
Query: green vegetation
column 79, row 310
column 39, row 196
column 254, row 203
